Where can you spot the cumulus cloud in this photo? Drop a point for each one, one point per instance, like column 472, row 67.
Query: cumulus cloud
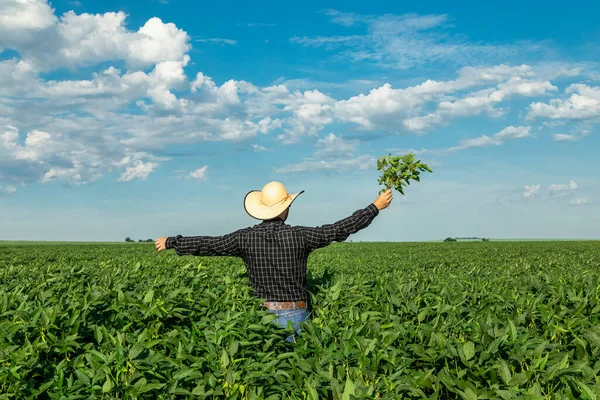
column 138, row 99
column 73, row 40
column 561, row 190
column 49, row 156
column 531, row 190
column 555, row 192
column 89, row 112
column 583, row 103
column 199, row 174
column 139, row 170
column 482, row 101
column 399, row 109
column 23, row 16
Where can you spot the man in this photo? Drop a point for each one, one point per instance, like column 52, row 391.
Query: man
column 275, row 253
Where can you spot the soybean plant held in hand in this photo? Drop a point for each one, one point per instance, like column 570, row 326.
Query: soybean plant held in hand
column 398, row 170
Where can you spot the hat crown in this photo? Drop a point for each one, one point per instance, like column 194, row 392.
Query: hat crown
column 273, row 193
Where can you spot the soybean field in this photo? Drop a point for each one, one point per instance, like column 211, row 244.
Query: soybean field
column 472, row 320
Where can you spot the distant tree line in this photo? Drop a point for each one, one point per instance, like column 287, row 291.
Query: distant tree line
column 449, row 239
column 129, row 240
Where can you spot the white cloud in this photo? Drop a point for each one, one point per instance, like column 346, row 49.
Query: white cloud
column 49, row 156
column 78, row 130
column 199, row 174
column 579, row 201
column 9, row 190
column 584, row 103
column 73, row 40
column 333, row 153
column 497, row 139
column 21, row 16
column 561, row 137
column 140, row 170
column 532, row 190
column 340, row 165
column 478, row 102
column 220, row 41
column 17, row 77
column 220, row 96
column 561, row 190
column 512, row 133
column 405, row 41
column 257, row 147
column 554, row 191
column 394, row 109
column 335, row 146
column 573, row 137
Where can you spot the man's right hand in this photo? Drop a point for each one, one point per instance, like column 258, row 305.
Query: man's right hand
column 383, row 200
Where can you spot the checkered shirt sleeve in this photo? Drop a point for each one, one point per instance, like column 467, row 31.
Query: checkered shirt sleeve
column 227, row 245
column 339, row 231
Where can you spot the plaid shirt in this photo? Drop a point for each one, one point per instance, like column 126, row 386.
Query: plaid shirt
column 275, row 254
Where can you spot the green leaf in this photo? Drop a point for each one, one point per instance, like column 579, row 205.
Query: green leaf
column 504, row 371
column 224, row 359
column 150, row 386
column 348, row 389
column 469, row 350
column 468, row 394
column 183, row 374
column 513, row 330
column 233, row 347
column 267, row 319
column 593, row 337
column 108, row 385
column 149, row 296
column 312, row 392
column 518, row 379
column 586, row 390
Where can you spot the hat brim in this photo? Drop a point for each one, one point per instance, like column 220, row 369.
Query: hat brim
column 258, row 210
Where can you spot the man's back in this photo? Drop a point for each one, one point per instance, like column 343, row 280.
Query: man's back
column 275, row 255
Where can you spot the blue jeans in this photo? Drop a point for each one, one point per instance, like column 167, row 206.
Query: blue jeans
column 296, row 316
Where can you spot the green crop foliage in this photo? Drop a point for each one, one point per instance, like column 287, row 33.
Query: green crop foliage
column 397, row 171
column 494, row 320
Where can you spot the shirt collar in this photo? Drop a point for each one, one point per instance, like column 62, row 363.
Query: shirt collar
column 276, row 221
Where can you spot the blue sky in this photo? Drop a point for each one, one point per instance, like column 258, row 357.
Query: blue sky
column 155, row 118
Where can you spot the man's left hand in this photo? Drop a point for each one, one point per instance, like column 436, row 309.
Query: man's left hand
column 161, row 244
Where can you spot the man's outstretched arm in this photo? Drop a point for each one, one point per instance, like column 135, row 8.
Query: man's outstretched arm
column 227, row 245
column 338, row 232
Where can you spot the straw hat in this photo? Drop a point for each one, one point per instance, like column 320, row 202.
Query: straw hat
column 269, row 202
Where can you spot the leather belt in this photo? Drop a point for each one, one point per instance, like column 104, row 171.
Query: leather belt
column 284, row 305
